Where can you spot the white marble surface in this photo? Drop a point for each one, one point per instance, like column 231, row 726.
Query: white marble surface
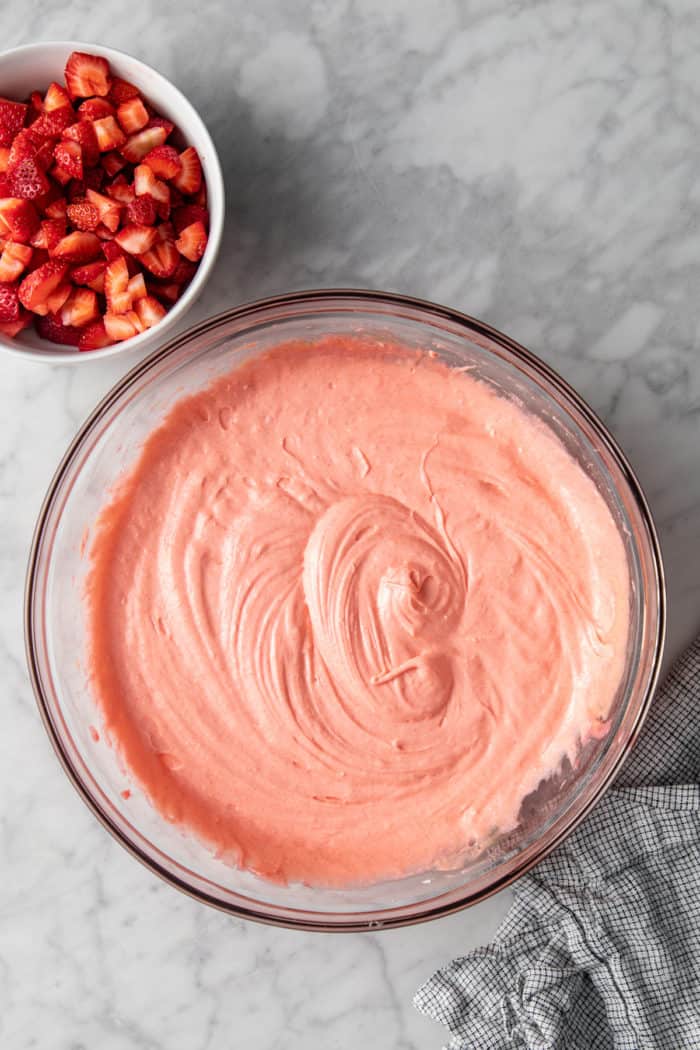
column 534, row 164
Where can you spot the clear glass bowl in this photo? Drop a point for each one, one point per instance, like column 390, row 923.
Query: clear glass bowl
column 109, row 442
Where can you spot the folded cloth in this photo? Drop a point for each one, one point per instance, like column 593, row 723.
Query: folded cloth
column 601, row 949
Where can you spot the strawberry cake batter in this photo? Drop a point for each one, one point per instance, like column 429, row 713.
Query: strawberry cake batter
column 348, row 608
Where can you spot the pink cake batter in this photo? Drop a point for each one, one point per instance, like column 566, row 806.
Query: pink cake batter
column 347, row 610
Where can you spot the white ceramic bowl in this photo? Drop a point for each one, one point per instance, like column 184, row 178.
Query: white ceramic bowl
column 33, row 67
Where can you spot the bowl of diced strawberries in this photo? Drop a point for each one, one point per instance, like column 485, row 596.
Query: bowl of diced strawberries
column 111, row 202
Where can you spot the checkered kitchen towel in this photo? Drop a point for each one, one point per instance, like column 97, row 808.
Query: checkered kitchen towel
column 601, row 949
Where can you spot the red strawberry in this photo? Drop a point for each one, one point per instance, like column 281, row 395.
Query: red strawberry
column 52, row 125
column 161, row 122
column 56, row 209
column 117, row 286
column 13, row 261
column 4, row 185
column 109, row 135
column 161, row 260
column 188, row 214
column 136, row 239
column 165, row 231
column 49, row 234
column 56, row 97
column 200, row 196
column 56, row 300
column 113, row 162
column 184, row 271
column 83, row 215
column 111, row 251
column 142, row 211
column 110, row 210
column 84, row 134
column 12, row 115
column 80, row 308
column 69, row 157
column 18, row 219
column 52, row 329
column 23, row 146
column 93, row 179
column 123, row 326
column 91, row 274
column 120, row 190
column 132, row 115
column 13, row 328
column 87, row 75
column 94, row 337
column 9, row 302
column 145, row 183
column 192, row 241
column 137, row 287
column 44, row 154
column 150, row 311
column 138, row 145
column 4, row 158
column 60, row 174
column 36, row 288
column 95, row 109
column 166, row 290
column 28, row 180
column 39, row 258
column 122, row 91
column 36, row 107
column 189, row 180
column 77, row 247
column 164, row 161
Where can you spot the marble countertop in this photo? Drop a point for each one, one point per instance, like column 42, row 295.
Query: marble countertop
column 533, row 164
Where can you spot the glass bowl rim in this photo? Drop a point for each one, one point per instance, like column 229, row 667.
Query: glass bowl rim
column 422, row 911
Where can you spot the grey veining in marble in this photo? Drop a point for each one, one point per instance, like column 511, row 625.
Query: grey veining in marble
column 535, row 164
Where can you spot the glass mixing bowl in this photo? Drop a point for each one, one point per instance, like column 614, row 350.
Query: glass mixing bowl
column 108, row 443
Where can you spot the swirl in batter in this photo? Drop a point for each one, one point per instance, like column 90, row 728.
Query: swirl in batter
column 348, row 608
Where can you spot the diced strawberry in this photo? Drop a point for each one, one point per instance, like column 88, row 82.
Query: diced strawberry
column 12, row 115
column 27, row 180
column 166, row 290
column 137, row 287
column 136, row 239
column 184, row 271
column 14, row 260
column 84, row 134
column 35, row 107
column 132, row 115
column 120, row 190
column 40, row 257
column 13, row 328
column 188, row 214
column 23, row 146
column 91, row 274
column 52, row 329
column 142, row 210
column 192, row 241
column 4, row 157
column 49, row 234
column 9, row 302
column 165, row 231
column 123, row 326
column 83, row 215
column 116, row 281
column 161, row 260
column 56, row 300
column 93, row 179
column 69, row 158
column 138, row 145
column 110, row 210
column 164, row 161
column 56, row 209
column 87, row 75
column 18, row 219
column 122, row 91
column 37, row 286
column 4, row 185
column 52, row 125
column 189, row 180
column 60, row 174
column 113, row 162
column 94, row 337
column 77, row 247
column 95, row 109
column 44, row 154
column 56, row 97
column 111, row 251
column 150, row 311
column 161, row 122
column 200, row 196
column 109, row 135
column 80, row 308
column 145, row 182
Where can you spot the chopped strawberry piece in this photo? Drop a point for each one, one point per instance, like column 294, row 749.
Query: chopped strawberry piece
column 111, row 251
column 52, row 125
column 40, row 257
column 49, row 234
column 110, row 210
column 188, row 214
column 109, row 135
column 35, row 107
column 83, row 215
column 142, row 210
column 161, row 260
column 113, row 162
column 87, row 75
column 37, row 286
column 13, row 328
column 91, row 274
column 138, row 145
column 166, row 231
column 14, row 260
column 9, row 302
column 136, row 239
column 161, row 122
column 77, row 247
column 94, row 178
column 4, row 158
column 4, row 185
column 189, row 180
column 80, row 308
column 56, row 97
column 18, row 219
column 52, row 329
column 117, row 283
column 84, row 134
column 132, row 115
column 192, row 241
column 137, row 287
column 56, row 300
column 95, row 109
column 56, row 209
column 44, row 154
column 27, row 180
column 61, row 175
column 150, row 311
column 122, row 91
column 145, row 182
column 200, row 196
column 123, row 326
column 23, row 146
column 164, row 161
column 184, row 271
column 120, row 190
column 166, row 290
column 69, row 158
column 94, row 337
column 12, row 115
